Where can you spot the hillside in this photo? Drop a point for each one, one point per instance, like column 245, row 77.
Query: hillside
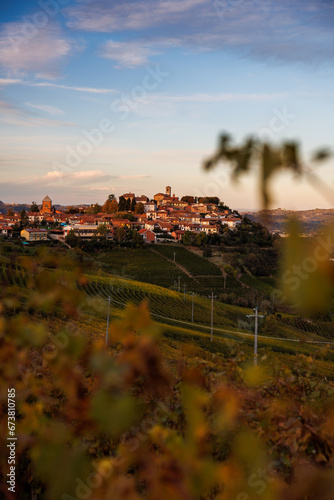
column 183, row 319
column 275, row 220
column 200, row 275
column 98, row 397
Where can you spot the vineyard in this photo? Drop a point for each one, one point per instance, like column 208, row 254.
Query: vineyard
column 142, row 265
column 261, row 284
column 175, row 316
column 164, row 302
column 186, row 318
column 323, row 328
column 196, row 265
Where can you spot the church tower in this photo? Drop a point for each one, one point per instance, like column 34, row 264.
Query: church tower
column 168, row 191
column 46, row 205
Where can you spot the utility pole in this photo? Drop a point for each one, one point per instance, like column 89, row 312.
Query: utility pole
column 184, row 293
column 224, row 281
column 108, row 321
column 174, row 256
column 212, row 297
column 192, row 309
column 256, row 316
column 179, row 286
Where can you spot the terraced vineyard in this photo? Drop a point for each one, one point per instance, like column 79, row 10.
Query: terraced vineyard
column 323, row 328
column 145, row 266
column 200, row 276
column 163, row 302
column 151, row 267
column 175, row 318
column 260, row 284
column 196, row 265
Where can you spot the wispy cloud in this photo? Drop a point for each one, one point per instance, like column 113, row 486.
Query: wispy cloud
column 220, row 97
column 128, row 54
column 136, row 53
column 40, row 52
column 89, row 90
column 129, row 15
column 14, row 115
column 9, row 81
column 52, row 110
column 283, row 31
column 165, row 106
column 80, row 177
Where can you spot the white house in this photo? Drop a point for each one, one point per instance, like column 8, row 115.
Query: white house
column 151, row 206
column 83, row 230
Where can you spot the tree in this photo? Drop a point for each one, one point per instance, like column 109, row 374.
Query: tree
column 186, row 238
column 110, row 206
column 10, row 212
column 34, row 207
column 121, row 204
column 137, row 238
column 222, row 206
column 71, row 210
column 200, row 238
column 188, row 199
column 133, row 205
column 128, row 204
column 113, row 207
column 72, row 239
column 120, row 234
column 102, row 230
column 24, row 218
column 95, row 209
column 209, row 199
column 139, row 208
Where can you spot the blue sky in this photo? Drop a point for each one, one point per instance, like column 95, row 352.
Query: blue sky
column 105, row 97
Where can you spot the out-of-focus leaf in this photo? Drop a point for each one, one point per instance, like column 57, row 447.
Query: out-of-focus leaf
column 291, row 156
column 255, row 375
column 226, row 406
column 114, row 413
column 58, row 462
column 321, row 155
column 27, row 333
column 271, row 161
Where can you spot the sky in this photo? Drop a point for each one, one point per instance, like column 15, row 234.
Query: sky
column 105, row 97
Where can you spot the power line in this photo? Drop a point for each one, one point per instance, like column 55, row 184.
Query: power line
column 212, row 297
column 108, row 321
column 256, row 316
column 230, row 331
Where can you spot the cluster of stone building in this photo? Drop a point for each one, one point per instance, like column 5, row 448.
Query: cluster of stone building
column 165, row 214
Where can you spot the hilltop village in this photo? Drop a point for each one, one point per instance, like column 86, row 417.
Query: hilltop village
column 164, row 217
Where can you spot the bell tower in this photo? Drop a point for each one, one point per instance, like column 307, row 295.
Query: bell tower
column 168, row 191
column 46, row 205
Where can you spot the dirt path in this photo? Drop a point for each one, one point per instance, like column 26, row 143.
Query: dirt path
column 183, row 269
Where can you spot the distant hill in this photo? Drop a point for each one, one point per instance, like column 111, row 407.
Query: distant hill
column 4, row 207
column 275, row 220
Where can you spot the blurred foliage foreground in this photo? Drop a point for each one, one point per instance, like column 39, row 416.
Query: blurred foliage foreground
column 119, row 423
